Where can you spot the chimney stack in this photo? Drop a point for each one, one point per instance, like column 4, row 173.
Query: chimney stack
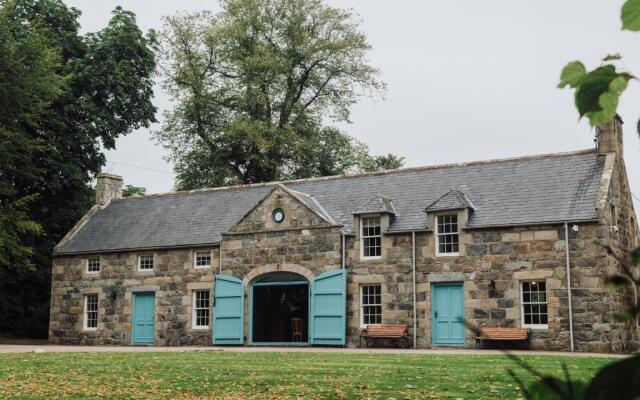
column 108, row 187
column 609, row 137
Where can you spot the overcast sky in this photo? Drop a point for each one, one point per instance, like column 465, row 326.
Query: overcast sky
column 467, row 80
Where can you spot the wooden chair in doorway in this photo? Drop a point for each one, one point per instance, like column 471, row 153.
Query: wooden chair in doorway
column 296, row 329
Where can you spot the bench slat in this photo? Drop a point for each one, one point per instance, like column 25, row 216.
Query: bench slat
column 385, row 331
column 503, row 334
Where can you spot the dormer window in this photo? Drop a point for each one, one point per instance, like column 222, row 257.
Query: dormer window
column 447, row 235
column 370, row 238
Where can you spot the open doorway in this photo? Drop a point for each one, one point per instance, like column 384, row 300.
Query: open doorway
column 280, row 309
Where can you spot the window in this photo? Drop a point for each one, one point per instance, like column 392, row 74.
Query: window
column 203, row 259
column 447, row 235
column 93, row 265
column 200, row 309
column 371, row 243
column 145, row 263
column 371, row 305
column 534, row 304
column 91, row 312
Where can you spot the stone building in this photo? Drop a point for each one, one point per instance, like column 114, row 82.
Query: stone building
column 310, row 262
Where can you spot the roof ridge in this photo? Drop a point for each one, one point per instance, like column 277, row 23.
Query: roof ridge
column 358, row 175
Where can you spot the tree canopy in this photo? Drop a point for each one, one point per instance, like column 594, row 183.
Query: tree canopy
column 253, row 86
column 65, row 98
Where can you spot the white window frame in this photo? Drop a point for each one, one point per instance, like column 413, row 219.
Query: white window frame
column 194, row 313
column 89, row 259
column 363, row 237
column 438, row 234
column 362, row 305
column 85, row 319
column 195, row 259
column 153, row 263
column 522, row 304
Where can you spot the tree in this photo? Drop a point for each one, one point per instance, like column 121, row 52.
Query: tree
column 130, row 190
column 252, row 86
column 28, row 84
column 87, row 91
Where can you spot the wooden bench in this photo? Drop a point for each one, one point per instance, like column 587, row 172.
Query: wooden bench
column 378, row 332
column 502, row 335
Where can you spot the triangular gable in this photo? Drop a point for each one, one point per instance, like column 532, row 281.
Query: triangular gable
column 301, row 210
column 377, row 205
column 452, row 200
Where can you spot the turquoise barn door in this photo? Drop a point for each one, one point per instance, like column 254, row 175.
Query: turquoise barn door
column 144, row 305
column 228, row 311
column 329, row 308
column 447, row 316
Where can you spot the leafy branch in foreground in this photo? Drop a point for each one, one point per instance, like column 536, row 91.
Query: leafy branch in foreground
column 597, row 92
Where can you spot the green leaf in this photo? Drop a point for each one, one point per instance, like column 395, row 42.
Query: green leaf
column 612, row 57
column 597, row 93
column 592, row 86
column 618, row 380
column 621, row 316
column 631, row 15
column 571, row 74
column 617, row 280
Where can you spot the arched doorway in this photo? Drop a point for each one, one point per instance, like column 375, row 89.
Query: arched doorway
column 279, row 307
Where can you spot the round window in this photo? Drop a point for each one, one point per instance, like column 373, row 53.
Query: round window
column 278, row 215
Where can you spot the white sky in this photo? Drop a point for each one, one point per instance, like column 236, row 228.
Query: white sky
column 467, row 80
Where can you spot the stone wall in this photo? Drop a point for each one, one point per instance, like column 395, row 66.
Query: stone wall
column 173, row 280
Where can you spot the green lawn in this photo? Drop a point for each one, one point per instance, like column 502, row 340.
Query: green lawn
column 230, row 375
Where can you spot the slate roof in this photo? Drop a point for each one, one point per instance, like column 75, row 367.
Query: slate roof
column 519, row 191
column 452, row 200
column 379, row 204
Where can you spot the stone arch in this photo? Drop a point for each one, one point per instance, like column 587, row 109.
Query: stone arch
column 265, row 269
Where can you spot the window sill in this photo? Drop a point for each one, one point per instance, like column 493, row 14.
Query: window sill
column 92, row 273
column 90, row 329
column 447, row 254
column 370, row 258
column 536, row 327
column 205, row 267
column 145, row 271
column 200, row 328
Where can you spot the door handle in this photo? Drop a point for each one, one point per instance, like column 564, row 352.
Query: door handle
column 436, row 315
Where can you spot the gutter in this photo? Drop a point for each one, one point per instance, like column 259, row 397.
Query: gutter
column 566, row 252
column 413, row 267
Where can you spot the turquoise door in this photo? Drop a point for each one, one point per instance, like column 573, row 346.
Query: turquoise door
column 144, row 306
column 447, row 316
column 329, row 308
column 228, row 310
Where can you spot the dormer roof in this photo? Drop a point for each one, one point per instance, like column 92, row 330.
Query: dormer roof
column 452, row 200
column 377, row 205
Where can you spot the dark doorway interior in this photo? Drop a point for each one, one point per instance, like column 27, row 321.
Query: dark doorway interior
column 274, row 310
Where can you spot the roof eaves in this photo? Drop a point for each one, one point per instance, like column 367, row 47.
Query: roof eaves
column 128, row 249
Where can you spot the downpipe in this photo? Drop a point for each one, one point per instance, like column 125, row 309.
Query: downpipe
column 566, row 252
column 413, row 267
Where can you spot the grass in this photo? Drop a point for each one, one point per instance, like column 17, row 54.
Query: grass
column 231, row 375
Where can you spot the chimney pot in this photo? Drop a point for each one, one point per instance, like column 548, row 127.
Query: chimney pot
column 108, row 187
